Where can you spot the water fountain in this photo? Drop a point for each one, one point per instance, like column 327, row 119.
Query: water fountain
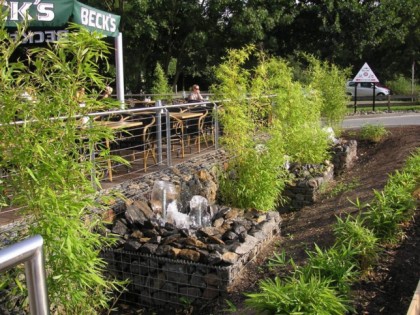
column 167, row 207
column 174, row 249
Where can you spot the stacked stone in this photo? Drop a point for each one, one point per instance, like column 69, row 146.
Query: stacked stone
column 165, row 263
column 344, row 155
column 303, row 189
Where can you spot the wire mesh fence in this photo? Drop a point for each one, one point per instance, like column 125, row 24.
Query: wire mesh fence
column 161, row 282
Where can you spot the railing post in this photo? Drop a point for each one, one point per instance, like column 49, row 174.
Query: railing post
column 216, row 127
column 168, row 139
column 29, row 252
column 159, row 131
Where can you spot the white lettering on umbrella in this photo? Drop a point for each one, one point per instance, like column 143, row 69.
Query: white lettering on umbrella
column 15, row 11
column 46, row 11
column 97, row 20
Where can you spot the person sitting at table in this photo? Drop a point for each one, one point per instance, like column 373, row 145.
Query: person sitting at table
column 195, row 95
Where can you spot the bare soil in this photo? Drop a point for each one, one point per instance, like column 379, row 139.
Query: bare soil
column 389, row 287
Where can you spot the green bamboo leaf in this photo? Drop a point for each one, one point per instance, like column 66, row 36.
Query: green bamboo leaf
column 32, row 175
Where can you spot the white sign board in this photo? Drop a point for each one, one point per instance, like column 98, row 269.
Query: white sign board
column 365, row 75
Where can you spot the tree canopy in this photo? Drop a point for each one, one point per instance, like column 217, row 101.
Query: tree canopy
column 192, row 36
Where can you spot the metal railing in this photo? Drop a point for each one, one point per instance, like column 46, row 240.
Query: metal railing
column 29, row 252
column 128, row 141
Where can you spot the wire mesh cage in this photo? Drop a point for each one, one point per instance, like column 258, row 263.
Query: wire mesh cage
column 164, row 282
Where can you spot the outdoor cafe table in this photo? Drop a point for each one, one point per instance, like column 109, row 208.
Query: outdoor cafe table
column 145, row 103
column 186, row 115
column 116, row 125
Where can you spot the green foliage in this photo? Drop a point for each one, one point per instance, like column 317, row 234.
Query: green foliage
column 231, row 307
column 255, row 182
column 394, row 205
column 160, row 87
column 319, row 286
column 259, row 131
column 374, row 133
column 197, row 33
column 307, row 144
column 412, row 165
column 329, row 80
column 296, row 113
column 337, row 264
column 255, row 175
column 352, row 232
column 343, row 187
column 403, row 86
column 279, row 260
column 50, row 174
column 298, row 295
column 172, row 67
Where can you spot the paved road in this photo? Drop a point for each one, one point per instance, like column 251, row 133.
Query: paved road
column 387, row 119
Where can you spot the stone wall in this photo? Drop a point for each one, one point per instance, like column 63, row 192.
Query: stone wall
column 167, row 264
column 344, row 155
column 196, row 176
column 304, row 189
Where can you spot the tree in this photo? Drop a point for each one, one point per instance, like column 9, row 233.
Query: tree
column 197, row 34
column 160, row 87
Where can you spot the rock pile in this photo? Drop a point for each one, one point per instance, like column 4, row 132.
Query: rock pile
column 304, row 187
column 344, row 155
column 231, row 234
column 306, row 180
column 167, row 265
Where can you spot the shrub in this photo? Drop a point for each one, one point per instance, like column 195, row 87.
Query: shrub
column 255, row 181
column 352, row 232
column 286, row 124
column 394, row 205
column 254, row 177
column 329, row 80
column 374, row 133
column 401, row 85
column 337, row 264
column 298, row 295
column 51, row 177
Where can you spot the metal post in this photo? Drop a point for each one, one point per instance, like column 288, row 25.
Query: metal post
column 216, row 127
column 29, row 252
column 120, row 69
column 159, row 131
column 355, row 97
column 374, row 96
column 168, row 139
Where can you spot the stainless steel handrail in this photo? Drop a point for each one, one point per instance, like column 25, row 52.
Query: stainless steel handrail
column 29, row 252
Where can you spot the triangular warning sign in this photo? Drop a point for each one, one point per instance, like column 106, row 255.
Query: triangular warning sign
column 365, row 75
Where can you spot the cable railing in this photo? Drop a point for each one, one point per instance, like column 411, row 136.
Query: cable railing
column 152, row 137
column 145, row 137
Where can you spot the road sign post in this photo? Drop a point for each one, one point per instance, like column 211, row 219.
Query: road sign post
column 366, row 74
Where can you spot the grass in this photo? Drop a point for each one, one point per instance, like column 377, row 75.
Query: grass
column 339, row 188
